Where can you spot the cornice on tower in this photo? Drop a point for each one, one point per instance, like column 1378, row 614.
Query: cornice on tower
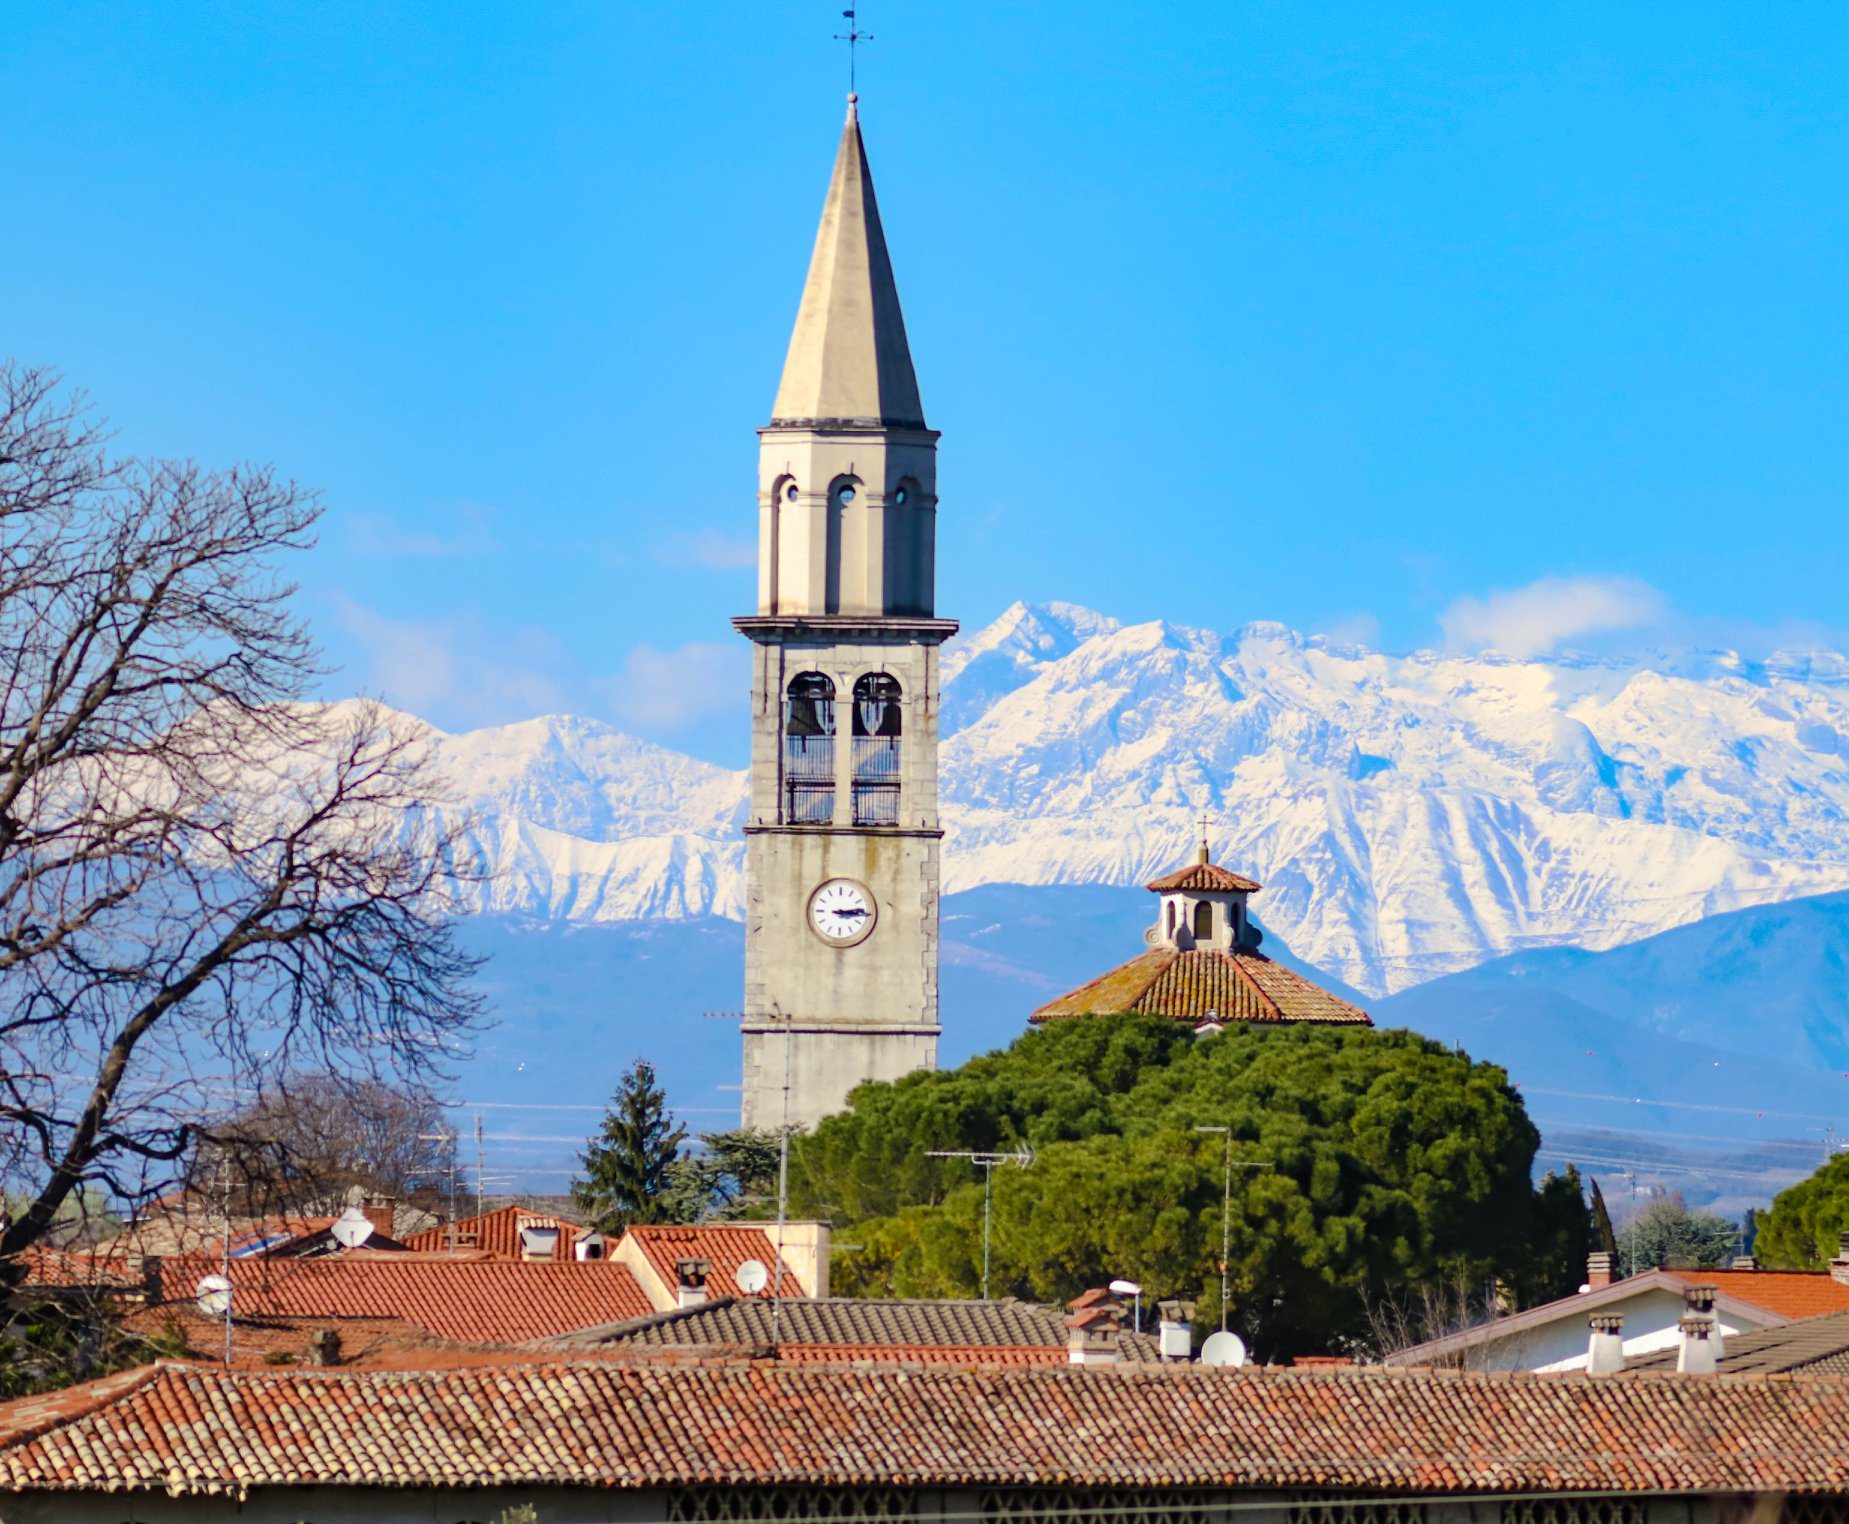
column 849, row 362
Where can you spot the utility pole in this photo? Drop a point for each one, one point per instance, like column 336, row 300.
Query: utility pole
column 1226, row 1209
column 1020, row 1159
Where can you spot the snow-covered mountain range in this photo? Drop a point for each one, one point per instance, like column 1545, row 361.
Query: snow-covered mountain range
column 1410, row 816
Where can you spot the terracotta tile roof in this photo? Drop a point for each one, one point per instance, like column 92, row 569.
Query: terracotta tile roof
column 1789, row 1293
column 885, row 1329
column 100, row 1269
column 1209, row 876
column 192, row 1429
column 1819, row 1346
column 495, row 1233
column 465, row 1300
column 267, row 1340
column 1191, row 985
column 725, row 1245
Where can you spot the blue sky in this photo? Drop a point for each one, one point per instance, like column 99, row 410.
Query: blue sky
column 1426, row 324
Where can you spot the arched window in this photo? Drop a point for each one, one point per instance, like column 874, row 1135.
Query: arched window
column 1203, row 921
column 878, row 712
column 1171, row 920
column 842, row 496
column 809, row 751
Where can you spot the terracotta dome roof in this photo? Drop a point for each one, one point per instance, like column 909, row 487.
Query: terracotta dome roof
column 1203, row 982
column 1209, row 876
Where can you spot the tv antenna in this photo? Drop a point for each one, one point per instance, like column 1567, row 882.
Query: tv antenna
column 853, row 37
column 1020, row 1159
column 1226, row 1217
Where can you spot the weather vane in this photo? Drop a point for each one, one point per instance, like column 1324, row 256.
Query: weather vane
column 853, row 37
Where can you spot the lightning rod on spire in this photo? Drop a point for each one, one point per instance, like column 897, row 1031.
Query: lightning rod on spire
column 853, row 37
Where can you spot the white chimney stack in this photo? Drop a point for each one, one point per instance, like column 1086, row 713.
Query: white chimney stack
column 690, row 1274
column 1839, row 1267
column 1092, row 1330
column 1177, row 1334
column 1605, row 1355
column 1699, row 1353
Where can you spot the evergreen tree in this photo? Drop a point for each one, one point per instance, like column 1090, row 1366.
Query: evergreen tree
column 1393, row 1163
column 1601, row 1225
column 629, row 1166
column 1807, row 1220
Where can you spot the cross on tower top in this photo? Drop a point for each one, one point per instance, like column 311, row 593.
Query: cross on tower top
column 853, row 37
column 1206, row 856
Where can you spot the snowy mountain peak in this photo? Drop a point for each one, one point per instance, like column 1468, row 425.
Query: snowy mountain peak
column 1410, row 815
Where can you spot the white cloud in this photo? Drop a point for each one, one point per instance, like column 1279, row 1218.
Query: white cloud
column 710, row 550
column 457, row 671
column 1544, row 615
column 673, row 690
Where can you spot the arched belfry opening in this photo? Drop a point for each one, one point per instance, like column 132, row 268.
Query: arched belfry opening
column 809, row 750
column 878, row 730
column 1203, row 921
column 843, row 497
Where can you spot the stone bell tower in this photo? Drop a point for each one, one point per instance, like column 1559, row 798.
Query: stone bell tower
column 842, row 838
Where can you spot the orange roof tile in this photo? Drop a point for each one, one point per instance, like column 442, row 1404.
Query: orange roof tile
column 497, row 1233
column 1789, row 1293
column 466, row 1300
column 1203, row 982
column 725, row 1245
column 1208, row 876
column 191, row 1429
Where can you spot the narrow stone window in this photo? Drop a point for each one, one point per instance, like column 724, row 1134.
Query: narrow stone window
column 809, row 750
column 878, row 718
column 1203, row 922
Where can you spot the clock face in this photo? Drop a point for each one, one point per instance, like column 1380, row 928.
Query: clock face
column 841, row 911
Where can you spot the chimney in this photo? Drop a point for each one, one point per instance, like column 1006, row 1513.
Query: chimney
column 1743, row 1262
column 1701, row 1346
column 1091, row 1331
column 1599, row 1270
column 324, row 1347
column 1839, row 1267
column 690, row 1274
column 1697, row 1354
column 1177, row 1335
column 591, row 1245
column 382, row 1213
column 1605, row 1355
column 151, row 1279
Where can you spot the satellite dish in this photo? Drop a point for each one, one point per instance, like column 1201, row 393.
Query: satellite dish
column 1125, row 1288
column 214, row 1294
column 351, row 1228
column 1223, row 1348
column 752, row 1277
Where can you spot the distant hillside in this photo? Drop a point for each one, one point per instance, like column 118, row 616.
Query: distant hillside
column 1710, row 1057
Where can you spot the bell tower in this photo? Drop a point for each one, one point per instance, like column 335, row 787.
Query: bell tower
column 842, row 837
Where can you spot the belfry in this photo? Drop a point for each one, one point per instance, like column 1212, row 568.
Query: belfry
column 842, row 836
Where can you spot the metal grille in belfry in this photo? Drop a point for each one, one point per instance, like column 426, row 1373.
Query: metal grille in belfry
column 1094, row 1505
column 746, row 1505
column 1575, row 1511
column 1823, row 1509
column 876, row 780
column 809, row 751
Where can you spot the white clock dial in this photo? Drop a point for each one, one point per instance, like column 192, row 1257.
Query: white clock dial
column 841, row 911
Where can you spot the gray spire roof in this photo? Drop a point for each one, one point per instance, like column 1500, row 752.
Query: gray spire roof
column 848, row 357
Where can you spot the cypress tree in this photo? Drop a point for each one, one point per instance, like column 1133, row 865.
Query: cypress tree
column 629, row 1164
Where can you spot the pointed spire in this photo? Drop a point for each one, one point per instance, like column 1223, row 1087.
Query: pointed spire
column 848, row 355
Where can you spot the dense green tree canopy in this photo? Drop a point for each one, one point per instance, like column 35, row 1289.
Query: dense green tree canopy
column 1391, row 1160
column 1807, row 1221
column 1666, row 1232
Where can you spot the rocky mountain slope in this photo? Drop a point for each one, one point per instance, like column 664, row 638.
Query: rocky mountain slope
column 1411, row 816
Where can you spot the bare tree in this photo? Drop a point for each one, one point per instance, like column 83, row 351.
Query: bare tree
column 203, row 880
column 301, row 1147
column 1427, row 1311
